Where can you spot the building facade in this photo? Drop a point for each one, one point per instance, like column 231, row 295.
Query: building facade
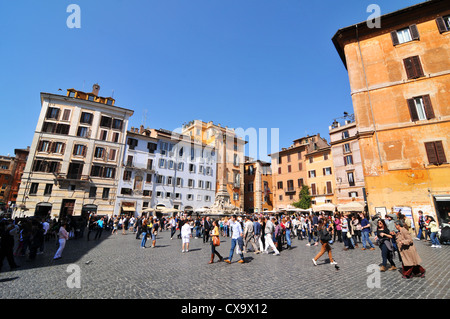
column 74, row 156
column 6, row 176
column 347, row 163
column 164, row 169
column 229, row 158
column 400, row 81
column 258, row 195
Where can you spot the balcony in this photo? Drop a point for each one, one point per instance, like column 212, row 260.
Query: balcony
column 289, row 190
column 72, row 177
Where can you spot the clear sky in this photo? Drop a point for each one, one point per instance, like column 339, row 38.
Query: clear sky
column 241, row 63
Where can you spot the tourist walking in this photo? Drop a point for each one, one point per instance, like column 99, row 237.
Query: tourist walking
column 365, row 233
column 63, row 236
column 410, row 258
column 433, row 229
column 269, row 230
column 324, row 235
column 186, row 233
column 215, row 242
column 7, row 232
column 249, row 235
column 100, row 224
column 236, row 238
column 384, row 242
column 144, row 230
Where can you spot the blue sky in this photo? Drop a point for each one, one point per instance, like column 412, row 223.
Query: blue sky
column 240, row 63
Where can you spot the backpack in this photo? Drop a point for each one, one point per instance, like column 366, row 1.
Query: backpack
column 325, row 235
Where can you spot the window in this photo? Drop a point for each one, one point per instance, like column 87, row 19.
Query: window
column 44, row 146
column 90, row 97
column 150, row 164
column 420, row 108
column 279, row 170
column 83, row 131
column 236, row 160
column 435, row 152
column 92, row 192
column 348, row 160
column 405, row 35
column 345, row 135
column 327, row 171
column 105, row 193
column 117, row 124
column 66, row 115
column 148, row 178
column 127, row 175
column 115, row 137
column 235, row 196
column 312, row 173
column 100, row 152
column 351, row 179
column 112, row 155
column 191, row 168
column 79, row 150
column 132, row 143
column 103, row 135
column 329, row 188
column 86, row 118
column 311, row 159
column 162, row 163
column 300, row 166
column 313, row 189
column 126, row 191
column 413, row 67
column 290, row 185
column 58, row 147
column 347, row 148
column 289, row 168
column 109, row 172
column 106, row 121
column 52, row 113
column 353, row 194
column 190, row 197
column 62, row 129
column 300, row 182
column 191, row 183
column 151, row 147
column 33, row 189
column 147, row 192
column 280, row 185
column 179, row 182
column 169, row 180
column 48, row 189
column 159, row 194
column 159, row 179
column 200, row 184
column 443, row 24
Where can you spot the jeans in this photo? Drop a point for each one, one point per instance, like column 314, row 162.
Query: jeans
column 386, row 255
column 364, row 238
column 288, row 237
column 62, row 244
column 434, row 240
column 240, row 242
column 144, row 239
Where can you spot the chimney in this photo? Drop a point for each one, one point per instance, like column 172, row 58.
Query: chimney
column 141, row 129
column 95, row 89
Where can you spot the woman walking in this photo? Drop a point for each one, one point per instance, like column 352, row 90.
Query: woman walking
column 63, row 236
column 215, row 239
column 324, row 237
column 384, row 242
column 410, row 258
column 433, row 230
column 144, row 229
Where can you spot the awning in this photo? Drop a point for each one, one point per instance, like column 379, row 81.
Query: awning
column 328, row 207
column 351, row 207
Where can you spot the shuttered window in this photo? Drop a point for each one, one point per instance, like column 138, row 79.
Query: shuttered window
column 443, row 24
column 413, row 67
column 420, row 108
column 405, row 35
column 435, row 152
column 329, row 188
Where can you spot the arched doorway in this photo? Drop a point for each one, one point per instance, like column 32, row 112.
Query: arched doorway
column 87, row 210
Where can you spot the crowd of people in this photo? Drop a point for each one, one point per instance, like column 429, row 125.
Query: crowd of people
column 257, row 233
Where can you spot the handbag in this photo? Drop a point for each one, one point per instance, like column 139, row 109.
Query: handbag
column 349, row 235
column 216, row 241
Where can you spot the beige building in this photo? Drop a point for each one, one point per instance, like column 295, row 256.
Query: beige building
column 233, row 162
column 73, row 164
column 347, row 163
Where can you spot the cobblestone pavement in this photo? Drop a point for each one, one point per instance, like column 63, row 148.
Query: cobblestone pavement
column 116, row 267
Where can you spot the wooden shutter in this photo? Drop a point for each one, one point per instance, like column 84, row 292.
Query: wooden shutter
column 329, row 188
column 413, row 110
column 414, row 32
column 427, row 106
column 417, row 66
column 440, row 152
column 431, row 153
column 313, row 189
column 66, row 115
column 441, row 25
column 394, row 38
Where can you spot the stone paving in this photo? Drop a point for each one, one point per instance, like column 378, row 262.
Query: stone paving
column 115, row 267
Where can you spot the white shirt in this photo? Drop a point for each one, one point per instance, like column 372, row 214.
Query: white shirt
column 236, row 229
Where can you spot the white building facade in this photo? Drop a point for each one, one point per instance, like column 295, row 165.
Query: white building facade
column 162, row 169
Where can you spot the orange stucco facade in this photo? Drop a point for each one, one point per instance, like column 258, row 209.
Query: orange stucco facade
column 402, row 116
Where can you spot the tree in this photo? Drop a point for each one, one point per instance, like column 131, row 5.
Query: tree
column 304, row 198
